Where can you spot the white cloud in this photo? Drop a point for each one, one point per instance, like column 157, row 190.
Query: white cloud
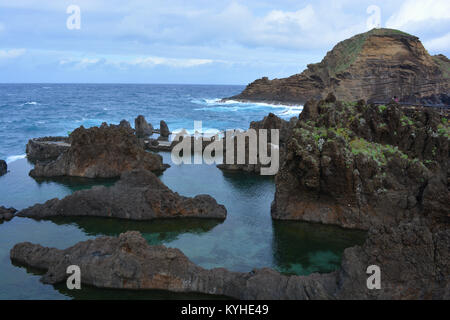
column 122, row 62
column 12, row 53
column 438, row 44
column 413, row 11
column 171, row 62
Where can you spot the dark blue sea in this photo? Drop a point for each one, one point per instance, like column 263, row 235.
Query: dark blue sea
column 247, row 239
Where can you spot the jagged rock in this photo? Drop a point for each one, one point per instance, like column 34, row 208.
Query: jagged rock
column 46, row 148
column 103, row 152
column 269, row 122
column 125, row 124
column 129, row 262
column 6, row 213
column 376, row 66
column 164, row 129
column 381, row 168
column 138, row 195
column 360, row 165
column 3, row 167
column 142, row 127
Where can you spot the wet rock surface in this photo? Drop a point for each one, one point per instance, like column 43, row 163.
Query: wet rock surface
column 376, row 66
column 6, row 214
column 138, row 195
column 100, row 152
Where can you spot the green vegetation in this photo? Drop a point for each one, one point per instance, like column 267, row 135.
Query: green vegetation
column 382, row 108
column 377, row 152
column 405, row 120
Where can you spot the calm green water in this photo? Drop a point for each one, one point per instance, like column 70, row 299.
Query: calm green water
column 247, row 239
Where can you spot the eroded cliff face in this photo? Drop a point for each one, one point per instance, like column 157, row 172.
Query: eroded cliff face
column 375, row 66
column 381, row 168
column 358, row 165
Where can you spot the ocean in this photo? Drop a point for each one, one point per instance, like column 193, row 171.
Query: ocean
column 247, row 239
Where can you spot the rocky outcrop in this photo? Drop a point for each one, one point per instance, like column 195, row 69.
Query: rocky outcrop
column 3, row 167
column 138, row 195
column 164, row 129
column 269, row 122
column 380, row 168
column 125, row 124
column 128, row 262
column 376, row 66
column 142, row 127
column 100, row 152
column 6, row 214
column 46, row 148
column 357, row 165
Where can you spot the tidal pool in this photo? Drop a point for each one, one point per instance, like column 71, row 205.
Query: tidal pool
column 247, row 239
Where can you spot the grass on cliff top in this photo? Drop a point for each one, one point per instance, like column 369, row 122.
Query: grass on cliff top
column 348, row 50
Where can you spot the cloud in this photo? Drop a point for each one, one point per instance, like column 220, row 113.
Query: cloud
column 177, row 63
column 413, row 11
column 12, row 53
column 438, row 44
column 123, row 62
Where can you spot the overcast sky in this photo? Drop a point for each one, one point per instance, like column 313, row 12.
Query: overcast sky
column 195, row 41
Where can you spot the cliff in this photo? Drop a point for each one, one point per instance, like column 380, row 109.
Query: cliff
column 376, row 66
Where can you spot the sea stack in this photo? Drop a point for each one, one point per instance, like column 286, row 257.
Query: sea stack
column 164, row 129
column 375, row 66
column 142, row 127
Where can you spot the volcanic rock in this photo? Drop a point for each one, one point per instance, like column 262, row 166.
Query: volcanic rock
column 164, row 129
column 129, row 262
column 3, row 167
column 6, row 213
column 142, row 127
column 46, row 148
column 138, row 195
column 100, row 152
column 358, row 165
column 375, row 66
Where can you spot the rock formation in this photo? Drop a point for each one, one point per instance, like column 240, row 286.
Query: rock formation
column 129, row 262
column 269, row 122
column 142, row 127
column 100, row 152
column 46, row 148
column 376, row 66
column 3, row 167
column 125, row 124
column 138, row 195
column 164, row 129
column 6, row 214
column 358, row 165
column 382, row 168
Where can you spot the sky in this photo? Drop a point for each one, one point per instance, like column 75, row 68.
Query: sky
column 195, row 41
